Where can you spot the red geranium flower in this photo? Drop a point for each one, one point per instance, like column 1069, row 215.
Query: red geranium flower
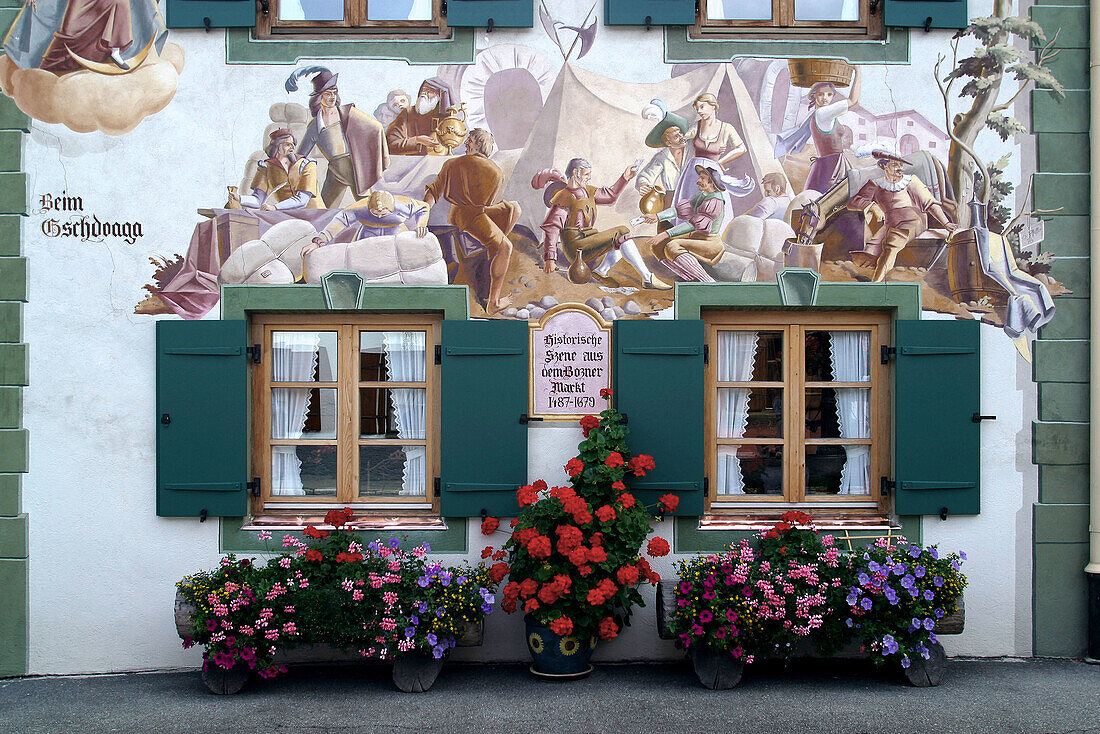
column 539, row 547
column 626, row 499
column 668, row 502
column 539, row 485
column 627, row 575
column 640, row 464
column 606, row 513
column 524, row 536
column 588, row 423
column 513, row 522
column 606, row 392
column 526, row 495
column 614, row 459
column 510, row 591
column 312, row 532
column 619, row 486
column 562, row 626
column 574, row 466
column 531, row 605
column 489, row 526
column 498, row 571
column 528, row 587
column 336, row 518
column 313, row 555
column 597, row 554
column 658, row 547
column 500, row 555
column 487, row 551
column 608, row 629
column 508, row 606
column 578, row 556
column 584, row 570
column 596, row 540
column 595, row 597
column 549, row 593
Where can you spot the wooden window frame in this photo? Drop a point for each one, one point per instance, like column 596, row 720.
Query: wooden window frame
column 794, row 384
column 354, row 25
column 348, row 438
column 783, row 23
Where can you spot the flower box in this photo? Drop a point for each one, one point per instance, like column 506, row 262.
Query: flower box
column 411, row 673
column 796, row 594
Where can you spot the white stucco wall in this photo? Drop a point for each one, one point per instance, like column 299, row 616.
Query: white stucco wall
column 103, row 566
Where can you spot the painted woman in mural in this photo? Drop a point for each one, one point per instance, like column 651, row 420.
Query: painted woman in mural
column 351, row 140
column 823, row 127
column 698, row 237
column 105, row 36
column 571, row 219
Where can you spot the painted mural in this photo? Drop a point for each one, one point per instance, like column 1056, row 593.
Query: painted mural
column 90, row 64
column 536, row 182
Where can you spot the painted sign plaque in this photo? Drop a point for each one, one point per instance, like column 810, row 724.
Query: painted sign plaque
column 571, row 362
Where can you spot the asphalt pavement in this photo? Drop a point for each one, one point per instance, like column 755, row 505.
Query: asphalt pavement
column 848, row 696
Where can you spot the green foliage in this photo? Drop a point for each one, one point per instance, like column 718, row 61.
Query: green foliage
column 999, row 214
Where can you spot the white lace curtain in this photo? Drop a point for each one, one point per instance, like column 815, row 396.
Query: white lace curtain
column 736, row 356
column 294, row 359
column 850, row 354
column 405, row 362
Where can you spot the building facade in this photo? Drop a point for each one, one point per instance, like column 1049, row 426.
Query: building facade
column 262, row 260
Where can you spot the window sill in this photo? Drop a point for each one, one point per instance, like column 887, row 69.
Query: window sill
column 363, row 524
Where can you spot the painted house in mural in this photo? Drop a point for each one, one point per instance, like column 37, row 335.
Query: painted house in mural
column 260, row 261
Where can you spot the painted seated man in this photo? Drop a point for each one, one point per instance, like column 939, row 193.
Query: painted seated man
column 571, row 220
column 775, row 202
column 285, row 180
column 379, row 214
column 472, row 184
column 410, row 133
column 906, row 204
column 699, row 237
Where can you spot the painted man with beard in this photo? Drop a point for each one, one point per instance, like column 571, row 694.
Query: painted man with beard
column 285, row 180
column 353, row 142
column 411, row 132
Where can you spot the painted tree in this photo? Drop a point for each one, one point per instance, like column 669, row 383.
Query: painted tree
column 995, row 59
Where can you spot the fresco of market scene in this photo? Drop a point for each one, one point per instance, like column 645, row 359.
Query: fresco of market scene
column 486, row 175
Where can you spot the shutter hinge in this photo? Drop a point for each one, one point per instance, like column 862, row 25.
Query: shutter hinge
column 253, row 353
column 978, row 418
column 202, row 515
column 943, row 513
column 706, row 354
column 439, row 354
column 443, row 7
column 525, row 419
column 265, row 6
column 886, row 487
column 253, row 486
column 885, row 352
column 697, row 8
column 625, row 418
column 874, row 6
column 436, row 484
column 706, row 484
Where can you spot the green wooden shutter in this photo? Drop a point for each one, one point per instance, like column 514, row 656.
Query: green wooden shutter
column 483, row 448
column 937, row 442
column 659, row 12
column 926, row 13
column 504, row 13
column 659, row 386
column 202, row 418
column 210, row 13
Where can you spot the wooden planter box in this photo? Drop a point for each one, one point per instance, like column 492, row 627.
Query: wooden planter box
column 412, row 673
column 717, row 670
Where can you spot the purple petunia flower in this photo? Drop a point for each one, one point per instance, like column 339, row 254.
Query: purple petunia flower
column 934, row 553
column 487, row 608
column 427, row 548
column 938, row 613
column 865, row 603
column 423, row 582
column 919, row 571
column 437, row 652
column 905, row 662
column 874, row 567
column 929, row 595
column 410, row 631
column 864, row 579
column 414, row 619
column 933, row 638
column 852, row 599
column 937, row 580
column 422, row 606
column 374, row 546
column 914, row 551
column 394, row 542
column 848, row 622
column 889, row 645
column 962, row 555
column 900, row 569
column 460, row 580
column 431, row 639
column 929, row 624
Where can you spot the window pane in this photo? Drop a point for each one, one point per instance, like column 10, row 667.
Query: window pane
column 311, row 9
column 392, row 356
column 391, row 412
column 302, row 412
column 399, row 9
column 750, row 470
column 826, row 10
column 843, row 412
column 303, row 356
column 839, row 470
column 745, row 356
column 739, row 9
column 303, row 471
column 750, row 412
column 392, row 471
column 838, row 356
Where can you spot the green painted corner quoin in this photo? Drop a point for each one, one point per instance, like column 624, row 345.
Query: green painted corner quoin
column 242, row 48
column 681, row 48
column 1060, row 609
column 14, row 617
column 451, row 539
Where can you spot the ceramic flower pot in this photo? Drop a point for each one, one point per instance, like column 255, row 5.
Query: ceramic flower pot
column 557, row 657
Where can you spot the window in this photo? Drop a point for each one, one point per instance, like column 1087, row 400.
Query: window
column 796, row 411
column 790, row 17
column 344, row 412
column 407, row 17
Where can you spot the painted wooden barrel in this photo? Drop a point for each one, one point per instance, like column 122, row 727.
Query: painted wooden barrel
column 964, row 272
column 808, row 72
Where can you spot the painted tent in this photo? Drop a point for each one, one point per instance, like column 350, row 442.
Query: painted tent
column 587, row 115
